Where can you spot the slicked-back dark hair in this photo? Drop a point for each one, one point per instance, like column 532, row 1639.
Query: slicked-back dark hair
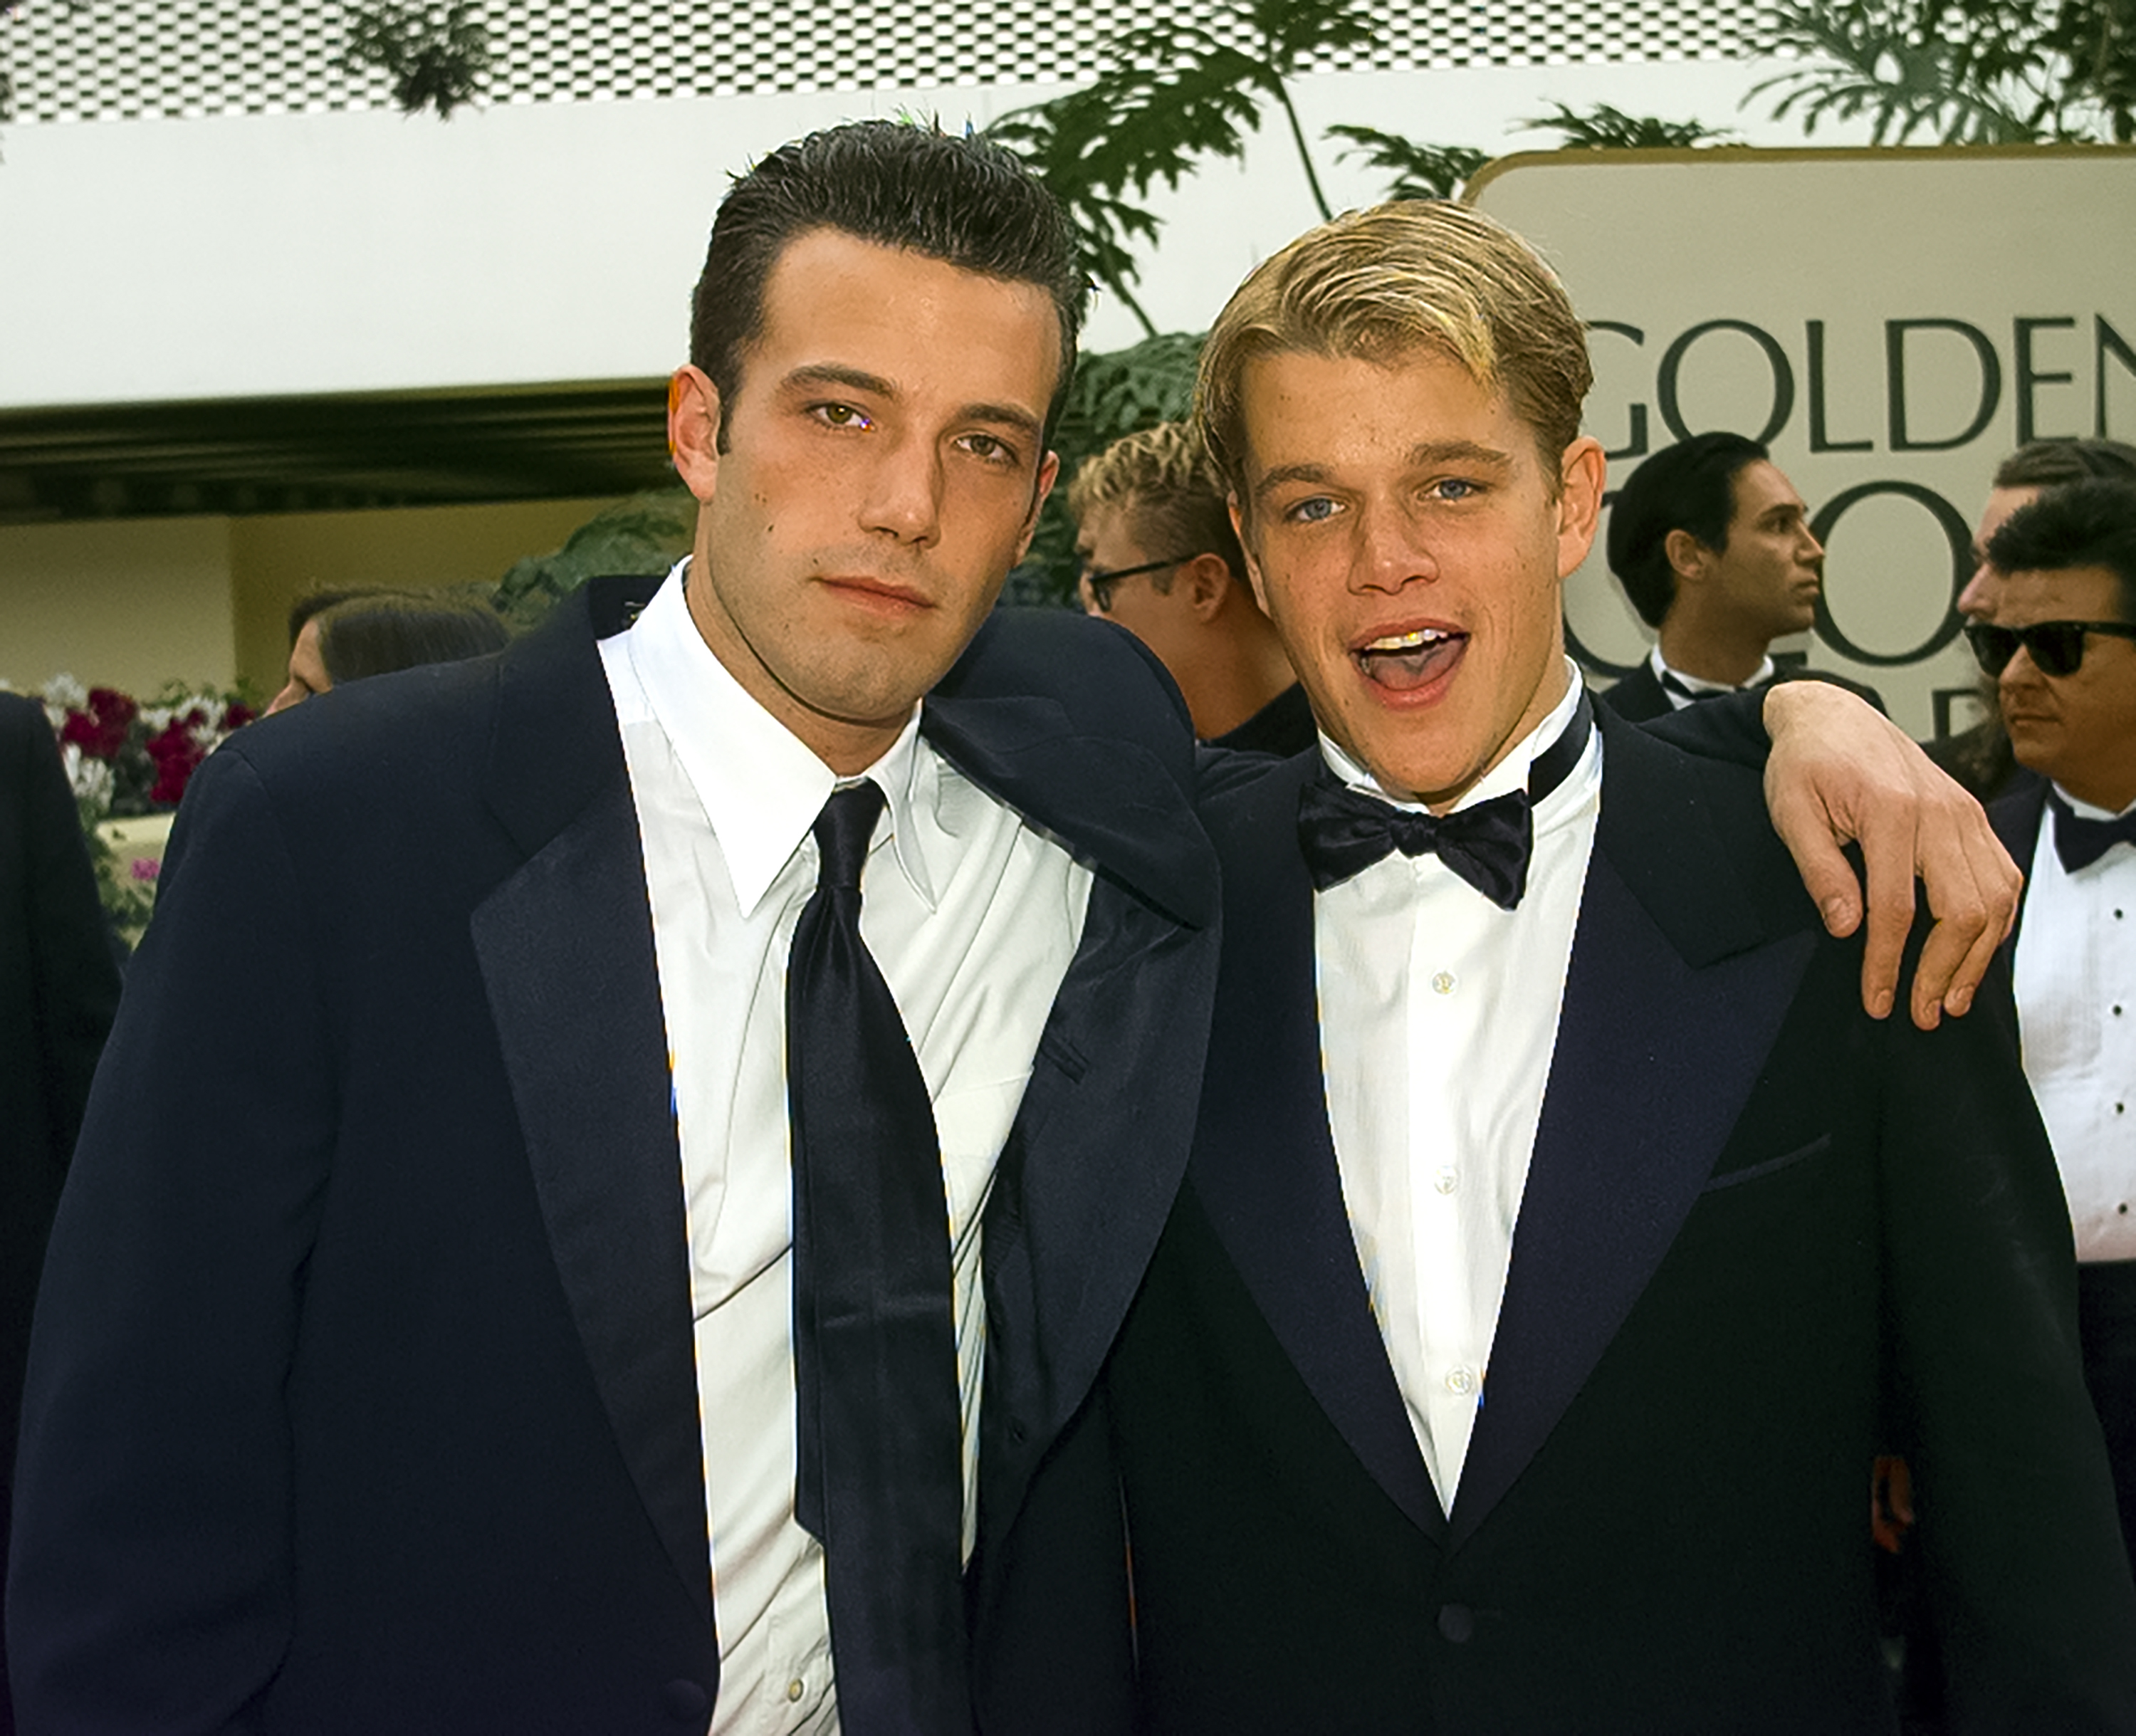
column 2048, row 463
column 376, row 632
column 1690, row 486
column 2089, row 523
column 957, row 198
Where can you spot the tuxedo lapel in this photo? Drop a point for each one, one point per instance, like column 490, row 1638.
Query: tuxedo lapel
column 1093, row 1162
column 566, row 949
column 1264, row 1167
column 1671, row 1003
column 2017, row 818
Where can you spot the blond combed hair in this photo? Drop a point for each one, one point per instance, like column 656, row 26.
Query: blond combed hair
column 1420, row 274
column 1161, row 477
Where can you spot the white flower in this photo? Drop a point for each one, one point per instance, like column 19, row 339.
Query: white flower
column 67, row 694
column 91, row 778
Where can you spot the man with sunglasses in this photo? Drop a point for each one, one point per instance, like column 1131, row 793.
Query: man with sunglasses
column 2062, row 644
column 1155, row 553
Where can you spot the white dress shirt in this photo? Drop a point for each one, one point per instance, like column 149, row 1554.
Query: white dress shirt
column 1439, row 1012
column 972, row 918
column 1699, row 687
column 2076, row 1010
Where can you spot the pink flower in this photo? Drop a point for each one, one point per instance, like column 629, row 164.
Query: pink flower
column 146, row 868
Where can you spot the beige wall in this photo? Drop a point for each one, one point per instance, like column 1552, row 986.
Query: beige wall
column 134, row 603
column 276, row 558
column 130, row 603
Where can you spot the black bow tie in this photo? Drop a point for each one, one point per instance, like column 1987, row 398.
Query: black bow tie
column 2081, row 842
column 1343, row 831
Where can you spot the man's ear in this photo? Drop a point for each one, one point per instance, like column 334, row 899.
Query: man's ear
column 693, row 430
column 1582, row 473
column 1688, row 557
column 1049, row 472
column 1207, row 580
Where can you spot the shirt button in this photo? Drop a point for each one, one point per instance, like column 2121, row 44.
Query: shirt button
column 1443, row 983
column 1461, row 1381
column 795, row 1689
column 1446, row 1180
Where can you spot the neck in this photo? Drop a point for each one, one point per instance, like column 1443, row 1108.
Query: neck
column 2112, row 790
column 1245, row 670
column 1711, row 650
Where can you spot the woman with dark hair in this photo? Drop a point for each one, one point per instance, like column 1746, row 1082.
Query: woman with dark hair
column 345, row 636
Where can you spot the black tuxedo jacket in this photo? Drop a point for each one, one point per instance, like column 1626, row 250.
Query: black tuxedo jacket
column 362, row 1395
column 1752, row 1213
column 2017, row 816
column 59, row 987
column 1638, row 698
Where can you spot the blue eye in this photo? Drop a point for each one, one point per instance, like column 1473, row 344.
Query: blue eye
column 1313, row 510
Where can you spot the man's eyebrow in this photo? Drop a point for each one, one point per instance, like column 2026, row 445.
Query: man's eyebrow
column 859, row 379
column 1423, row 454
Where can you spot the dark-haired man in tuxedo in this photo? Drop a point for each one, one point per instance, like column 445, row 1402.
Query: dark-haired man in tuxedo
column 2059, row 635
column 458, row 1349
column 1713, row 546
column 1560, row 1232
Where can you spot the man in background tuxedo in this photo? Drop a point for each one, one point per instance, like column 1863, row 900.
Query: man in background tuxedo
column 2059, row 638
column 1713, row 546
column 1980, row 758
column 59, row 987
column 1560, row 1232
column 1156, row 554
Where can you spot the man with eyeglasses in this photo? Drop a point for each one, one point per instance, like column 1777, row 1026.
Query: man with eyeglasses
column 1156, row 554
column 2062, row 644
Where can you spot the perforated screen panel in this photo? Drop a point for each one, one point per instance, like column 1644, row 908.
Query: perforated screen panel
column 111, row 60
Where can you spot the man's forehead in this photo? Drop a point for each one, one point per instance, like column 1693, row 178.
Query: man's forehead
column 2087, row 593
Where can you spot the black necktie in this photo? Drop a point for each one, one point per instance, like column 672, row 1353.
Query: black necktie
column 879, row 1475
column 2081, row 842
column 1343, row 831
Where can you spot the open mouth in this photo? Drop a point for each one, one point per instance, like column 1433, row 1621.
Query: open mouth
column 1405, row 661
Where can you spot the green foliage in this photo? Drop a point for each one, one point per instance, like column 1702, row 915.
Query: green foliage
column 1963, row 71
column 1114, row 394
column 647, row 533
column 1420, row 170
column 434, row 60
column 1171, row 95
column 1603, row 128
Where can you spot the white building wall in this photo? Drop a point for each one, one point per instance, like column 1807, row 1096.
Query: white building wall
column 237, row 255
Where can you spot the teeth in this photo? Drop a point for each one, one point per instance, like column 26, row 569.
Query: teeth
column 1409, row 641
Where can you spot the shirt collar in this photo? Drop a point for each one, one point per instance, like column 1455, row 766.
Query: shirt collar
column 760, row 788
column 1510, row 773
column 2089, row 810
column 1699, row 684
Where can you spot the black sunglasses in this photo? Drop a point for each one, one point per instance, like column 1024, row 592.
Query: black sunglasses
column 2056, row 648
column 1102, row 583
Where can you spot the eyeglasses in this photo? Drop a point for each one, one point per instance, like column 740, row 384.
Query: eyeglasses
column 2056, row 648
column 1102, row 584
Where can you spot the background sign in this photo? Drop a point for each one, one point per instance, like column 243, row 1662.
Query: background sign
column 1891, row 322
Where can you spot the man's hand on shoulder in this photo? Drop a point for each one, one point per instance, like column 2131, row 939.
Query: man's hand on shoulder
column 1841, row 772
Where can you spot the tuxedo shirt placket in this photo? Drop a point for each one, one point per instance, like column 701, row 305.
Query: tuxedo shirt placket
column 972, row 918
column 1439, row 1012
column 2075, row 984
